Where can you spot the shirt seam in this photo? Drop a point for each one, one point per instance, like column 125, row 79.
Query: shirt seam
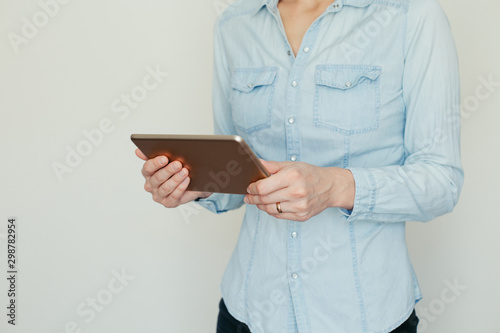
column 250, row 266
column 357, row 282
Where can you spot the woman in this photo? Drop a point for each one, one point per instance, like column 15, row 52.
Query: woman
column 353, row 106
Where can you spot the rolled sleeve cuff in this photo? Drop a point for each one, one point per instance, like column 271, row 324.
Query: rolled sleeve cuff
column 365, row 195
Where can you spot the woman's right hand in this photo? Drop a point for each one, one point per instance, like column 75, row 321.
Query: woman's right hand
column 167, row 182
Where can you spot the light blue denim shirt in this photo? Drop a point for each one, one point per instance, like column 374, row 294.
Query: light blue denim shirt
column 374, row 88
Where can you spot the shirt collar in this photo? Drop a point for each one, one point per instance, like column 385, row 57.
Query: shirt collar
column 273, row 4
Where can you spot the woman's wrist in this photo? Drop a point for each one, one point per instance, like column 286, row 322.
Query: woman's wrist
column 342, row 189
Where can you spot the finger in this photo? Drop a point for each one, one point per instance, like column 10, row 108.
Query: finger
column 177, row 194
column 273, row 166
column 141, row 155
column 269, row 184
column 162, row 175
column 273, row 197
column 167, row 187
column 154, row 164
column 272, row 209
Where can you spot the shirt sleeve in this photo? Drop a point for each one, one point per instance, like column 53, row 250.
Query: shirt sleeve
column 223, row 123
column 429, row 182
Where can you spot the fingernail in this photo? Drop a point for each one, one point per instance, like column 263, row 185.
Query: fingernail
column 176, row 166
column 163, row 160
column 245, row 199
column 185, row 181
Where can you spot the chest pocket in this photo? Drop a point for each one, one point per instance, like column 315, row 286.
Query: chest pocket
column 252, row 97
column 347, row 97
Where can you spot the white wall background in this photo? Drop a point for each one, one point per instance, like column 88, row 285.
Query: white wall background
column 74, row 233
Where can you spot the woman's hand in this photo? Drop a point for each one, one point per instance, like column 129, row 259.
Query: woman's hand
column 167, row 182
column 303, row 190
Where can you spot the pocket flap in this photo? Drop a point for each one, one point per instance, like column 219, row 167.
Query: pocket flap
column 246, row 79
column 345, row 77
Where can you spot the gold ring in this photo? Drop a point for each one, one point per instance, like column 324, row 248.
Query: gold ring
column 278, row 207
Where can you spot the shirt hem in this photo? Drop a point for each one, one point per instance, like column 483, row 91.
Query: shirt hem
column 240, row 318
column 401, row 321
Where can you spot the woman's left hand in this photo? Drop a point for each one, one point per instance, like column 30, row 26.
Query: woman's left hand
column 303, row 190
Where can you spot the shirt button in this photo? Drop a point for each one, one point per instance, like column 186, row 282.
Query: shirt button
column 306, row 49
column 348, row 84
column 250, row 85
column 293, row 158
column 294, row 234
column 291, row 120
column 294, row 83
column 295, row 275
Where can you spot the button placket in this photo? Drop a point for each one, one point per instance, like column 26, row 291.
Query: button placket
column 292, row 141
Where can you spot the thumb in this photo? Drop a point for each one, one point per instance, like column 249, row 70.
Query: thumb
column 273, row 166
column 141, row 155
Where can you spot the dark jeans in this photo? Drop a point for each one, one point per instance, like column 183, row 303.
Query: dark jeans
column 228, row 324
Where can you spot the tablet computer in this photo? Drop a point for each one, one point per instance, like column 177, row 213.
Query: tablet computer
column 216, row 163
